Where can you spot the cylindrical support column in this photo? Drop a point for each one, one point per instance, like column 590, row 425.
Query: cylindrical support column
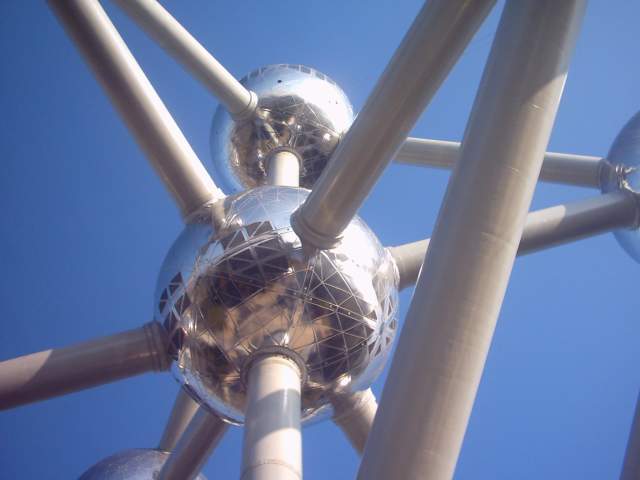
column 184, row 409
column 437, row 38
column 194, row 446
column 565, row 168
column 56, row 372
column 283, row 168
column 138, row 103
column 184, row 48
column 354, row 415
column 272, row 446
column 543, row 229
column 631, row 466
column 436, row 370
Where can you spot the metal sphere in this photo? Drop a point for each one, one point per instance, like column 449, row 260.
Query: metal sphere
column 135, row 464
column 238, row 281
column 298, row 108
column 622, row 172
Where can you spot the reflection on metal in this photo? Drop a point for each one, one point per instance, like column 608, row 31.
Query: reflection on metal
column 228, row 289
column 135, row 464
column 623, row 173
column 298, row 108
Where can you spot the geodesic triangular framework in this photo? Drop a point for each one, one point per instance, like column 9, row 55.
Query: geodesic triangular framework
column 278, row 304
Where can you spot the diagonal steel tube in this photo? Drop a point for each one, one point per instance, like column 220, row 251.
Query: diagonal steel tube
column 183, row 411
column 631, row 465
column 354, row 415
column 435, row 41
column 194, row 447
column 434, row 376
column 51, row 373
column 571, row 169
column 183, row 47
column 543, row 229
column 138, row 103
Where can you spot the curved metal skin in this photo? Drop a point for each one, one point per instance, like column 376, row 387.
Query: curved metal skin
column 437, row 38
column 565, row 168
column 183, row 411
column 299, row 109
column 436, row 370
column 138, row 103
column 242, row 283
column 272, row 445
column 623, row 174
column 135, row 464
column 194, row 447
column 543, row 229
column 51, row 373
column 354, row 415
column 184, row 48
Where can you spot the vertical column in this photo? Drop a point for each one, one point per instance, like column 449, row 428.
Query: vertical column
column 631, row 467
column 283, row 168
column 434, row 377
column 272, row 447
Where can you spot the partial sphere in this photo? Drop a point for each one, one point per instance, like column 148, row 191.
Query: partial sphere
column 238, row 281
column 135, row 464
column 299, row 109
column 622, row 172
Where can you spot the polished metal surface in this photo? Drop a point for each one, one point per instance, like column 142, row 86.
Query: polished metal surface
column 623, row 173
column 134, row 464
column 298, row 107
column 238, row 280
column 183, row 411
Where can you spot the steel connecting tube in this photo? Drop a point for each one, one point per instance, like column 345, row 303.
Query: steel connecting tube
column 51, row 373
column 431, row 47
column 272, row 448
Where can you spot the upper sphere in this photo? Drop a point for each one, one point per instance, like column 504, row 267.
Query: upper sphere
column 135, row 464
column 622, row 172
column 237, row 282
column 298, row 108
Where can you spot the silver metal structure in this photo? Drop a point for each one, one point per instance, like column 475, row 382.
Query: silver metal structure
column 437, row 367
column 570, row 169
column 277, row 305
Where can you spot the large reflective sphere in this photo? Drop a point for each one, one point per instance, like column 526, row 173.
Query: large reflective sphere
column 238, row 281
column 299, row 108
column 623, row 173
column 136, row 464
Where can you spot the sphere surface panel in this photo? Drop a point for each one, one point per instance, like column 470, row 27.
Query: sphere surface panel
column 238, row 281
column 623, row 173
column 136, row 464
column 299, row 109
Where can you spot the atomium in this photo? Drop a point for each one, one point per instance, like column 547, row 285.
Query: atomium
column 135, row 464
column 238, row 281
column 622, row 172
column 299, row 108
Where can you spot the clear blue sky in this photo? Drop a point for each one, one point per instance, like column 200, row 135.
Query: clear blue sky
column 86, row 225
